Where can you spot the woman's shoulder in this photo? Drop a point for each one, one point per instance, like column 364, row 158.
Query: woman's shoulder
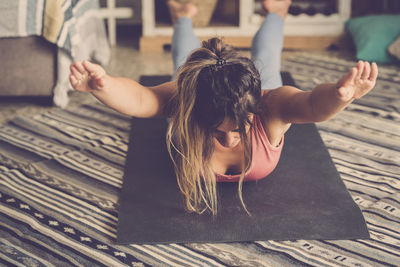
column 165, row 89
column 273, row 100
column 165, row 93
column 270, row 113
column 281, row 91
column 268, row 102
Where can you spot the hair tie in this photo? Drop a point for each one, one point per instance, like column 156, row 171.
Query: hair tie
column 220, row 62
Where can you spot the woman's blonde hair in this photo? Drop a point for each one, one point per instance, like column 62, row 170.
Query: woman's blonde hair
column 215, row 83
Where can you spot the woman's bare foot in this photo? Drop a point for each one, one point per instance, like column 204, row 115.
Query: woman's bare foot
column 280, row 7
column 178, row 10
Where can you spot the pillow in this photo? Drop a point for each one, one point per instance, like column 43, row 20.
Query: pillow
column 372, row 36
column 394, row 48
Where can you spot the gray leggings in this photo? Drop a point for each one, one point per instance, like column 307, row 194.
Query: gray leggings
column 266, row 48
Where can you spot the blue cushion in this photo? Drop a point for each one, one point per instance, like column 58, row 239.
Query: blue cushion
column 372, row 36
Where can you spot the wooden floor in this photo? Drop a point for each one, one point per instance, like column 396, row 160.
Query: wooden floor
column 157, row 43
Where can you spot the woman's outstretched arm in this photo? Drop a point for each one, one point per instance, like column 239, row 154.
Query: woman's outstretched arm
column 292, row 105
column 121, row 94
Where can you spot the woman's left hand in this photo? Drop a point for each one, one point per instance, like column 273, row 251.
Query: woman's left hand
column 357, row 82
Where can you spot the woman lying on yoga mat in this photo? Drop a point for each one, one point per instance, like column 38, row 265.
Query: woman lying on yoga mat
column 228, row 114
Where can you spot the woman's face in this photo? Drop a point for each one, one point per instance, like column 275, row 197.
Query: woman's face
column 227, row 133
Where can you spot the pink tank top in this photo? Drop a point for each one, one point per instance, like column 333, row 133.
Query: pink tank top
column 264, row 156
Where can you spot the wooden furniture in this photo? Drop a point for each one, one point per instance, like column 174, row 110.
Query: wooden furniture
column 111, row 13
column 301, row 31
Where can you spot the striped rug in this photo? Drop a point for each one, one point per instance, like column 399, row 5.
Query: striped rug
column 61, row 173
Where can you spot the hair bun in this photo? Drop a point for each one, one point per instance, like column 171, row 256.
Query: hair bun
column 218, row 47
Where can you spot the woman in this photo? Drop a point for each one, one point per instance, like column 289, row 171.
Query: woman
column 228, row 114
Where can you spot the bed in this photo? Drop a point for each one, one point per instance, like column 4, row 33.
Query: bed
column 39, row 40
column 61, row 175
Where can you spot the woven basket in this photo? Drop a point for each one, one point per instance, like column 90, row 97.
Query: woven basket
column 205, row 11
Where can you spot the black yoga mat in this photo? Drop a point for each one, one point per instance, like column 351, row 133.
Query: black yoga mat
column 304, row 198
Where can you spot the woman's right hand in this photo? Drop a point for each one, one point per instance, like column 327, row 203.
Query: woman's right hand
column 87, row 77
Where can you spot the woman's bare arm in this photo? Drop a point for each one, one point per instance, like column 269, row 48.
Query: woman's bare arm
column 292, row 105
column 121, row 94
